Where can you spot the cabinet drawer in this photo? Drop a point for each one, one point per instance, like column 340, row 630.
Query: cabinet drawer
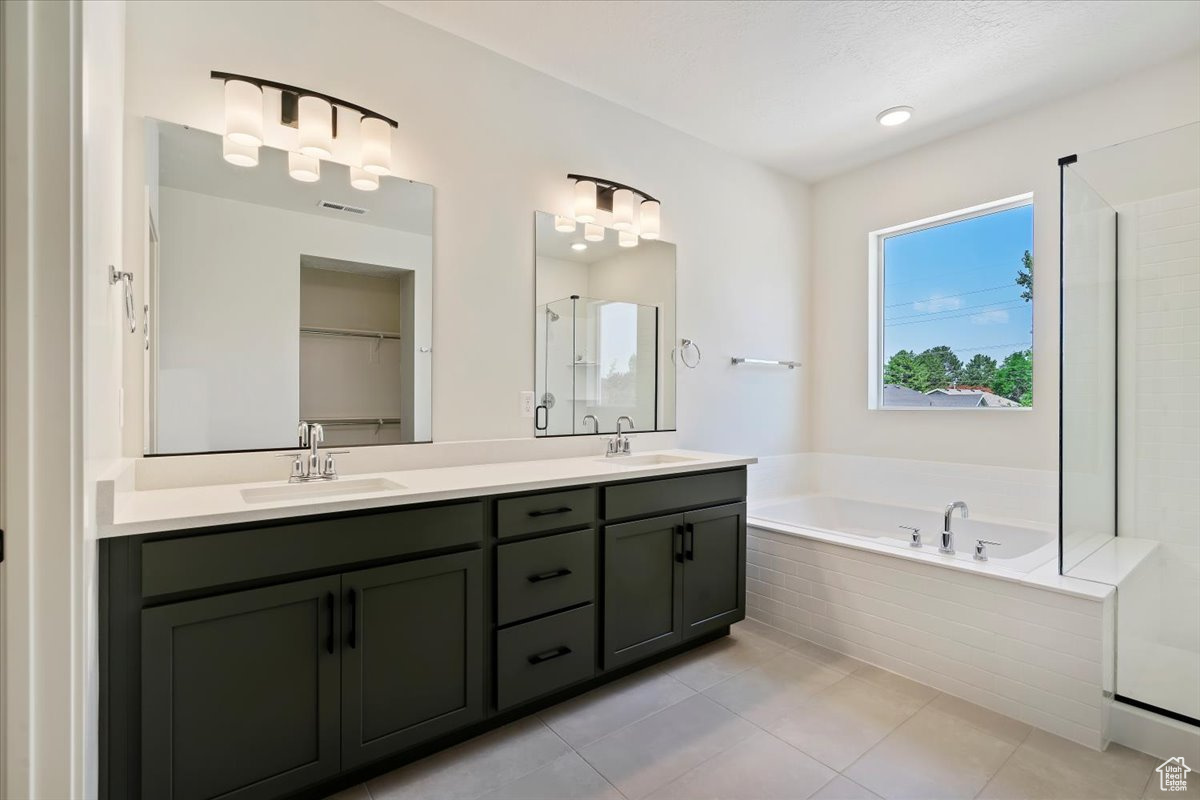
column 545, row 512
column 648, row 498
column 539, row 657
column 544, row 575
column 204, row 560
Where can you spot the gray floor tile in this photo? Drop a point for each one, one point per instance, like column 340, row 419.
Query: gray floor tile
column 724, row 658
column 781, row 638
column 567, row 777
column 840, row 723
column 1047, row 767
column 932, row 755
column 765, row 693
column 759, row 768
column 842, row 788
column 896, row 683
column 1000, row 726
column 651, row 753
column 826, row 657
column 474, row 767
column 592, row 716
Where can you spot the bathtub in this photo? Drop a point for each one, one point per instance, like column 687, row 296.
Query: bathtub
column 1021, row 549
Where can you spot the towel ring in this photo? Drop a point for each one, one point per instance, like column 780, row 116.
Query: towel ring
column 686, row 343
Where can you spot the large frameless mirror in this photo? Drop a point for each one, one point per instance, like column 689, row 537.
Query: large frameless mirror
column 274, row 300
column 604, row 330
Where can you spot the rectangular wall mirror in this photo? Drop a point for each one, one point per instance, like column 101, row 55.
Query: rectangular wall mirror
column 604, row 332
column 273, row 301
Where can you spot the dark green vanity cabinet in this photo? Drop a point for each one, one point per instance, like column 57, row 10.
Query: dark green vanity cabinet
column 293, row 658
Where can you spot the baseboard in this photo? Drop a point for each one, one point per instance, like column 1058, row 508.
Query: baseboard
column 1152, row 733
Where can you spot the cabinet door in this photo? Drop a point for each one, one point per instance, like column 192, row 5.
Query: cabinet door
column 714, row 568
column 643, row 588
column 412, row 654
column 240, row 693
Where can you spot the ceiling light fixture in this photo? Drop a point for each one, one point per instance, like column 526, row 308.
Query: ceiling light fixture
column 593, row 195
column 897, row 115
column 578, row 246
column 315, row 115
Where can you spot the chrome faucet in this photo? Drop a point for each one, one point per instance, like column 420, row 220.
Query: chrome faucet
column 314, row 466
column 619, row 444
column 947, row 545
column 595, row 422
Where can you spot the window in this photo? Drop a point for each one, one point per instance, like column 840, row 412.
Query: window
column 952, row 310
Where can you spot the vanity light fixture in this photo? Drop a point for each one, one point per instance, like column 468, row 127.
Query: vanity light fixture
column 362, row 180
column 305, row 169
column 593, row 195
column 891, row 117
column 240, row 155
column 315, row 115
column 579, row 246
column 564, row 224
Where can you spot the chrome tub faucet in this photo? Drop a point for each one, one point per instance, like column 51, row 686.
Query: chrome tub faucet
column 947, row 544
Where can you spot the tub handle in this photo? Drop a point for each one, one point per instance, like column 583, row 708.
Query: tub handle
column 915, row 533
column 981, row 546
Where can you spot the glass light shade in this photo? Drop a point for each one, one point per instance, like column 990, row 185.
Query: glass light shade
column 316, row 127
column 305, row 169
column 593, row 232
column 627, row 238
column 623, row 210
column 564, row 224
column 363, row 180
column 651, row 217
column 585, row 201
column 376, row 136
column 243, row 113
column 240, row 155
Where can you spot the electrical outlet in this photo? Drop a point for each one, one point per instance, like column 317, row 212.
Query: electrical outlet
column 527, row 404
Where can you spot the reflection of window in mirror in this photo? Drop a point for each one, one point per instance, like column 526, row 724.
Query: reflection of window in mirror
column 618, row 358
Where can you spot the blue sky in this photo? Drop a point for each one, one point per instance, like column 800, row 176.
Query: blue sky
column 955, row 285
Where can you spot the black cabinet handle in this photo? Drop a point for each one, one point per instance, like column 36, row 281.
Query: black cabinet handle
column 679, row 543
column 353, row 618
column 329, row 619
column 549, row 512
column 549, row 655
column 545, row 576
column 690, row 551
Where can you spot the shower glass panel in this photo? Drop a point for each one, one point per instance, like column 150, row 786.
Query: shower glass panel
column 597, row 360
column 1131, row 404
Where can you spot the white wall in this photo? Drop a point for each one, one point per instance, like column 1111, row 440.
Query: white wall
column 1005, row 158
column 229, row 313
column 497, row 139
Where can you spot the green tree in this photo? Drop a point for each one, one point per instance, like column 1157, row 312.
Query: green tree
column 940, row 366
column 1014, row 378
column 901, row 369
column 979, row 371
column 1025, row 277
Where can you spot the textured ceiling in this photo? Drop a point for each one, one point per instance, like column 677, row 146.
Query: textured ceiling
column 797, row 85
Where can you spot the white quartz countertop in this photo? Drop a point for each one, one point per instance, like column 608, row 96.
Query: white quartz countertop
column 129, row 512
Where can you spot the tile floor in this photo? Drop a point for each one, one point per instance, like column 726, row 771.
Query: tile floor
column 761, row 715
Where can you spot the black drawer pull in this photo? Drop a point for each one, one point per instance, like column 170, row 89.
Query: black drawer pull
column 690, row 547
column 679, row 543
column 353, row 619
column 549, row 655
column 329, row 610
column 545, row 576
column 548, row 512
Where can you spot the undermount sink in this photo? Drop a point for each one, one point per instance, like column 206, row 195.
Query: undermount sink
column 302, row 491
column 653, row 459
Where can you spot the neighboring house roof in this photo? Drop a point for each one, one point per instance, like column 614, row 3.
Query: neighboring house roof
column 987, row 398
column 904, row 397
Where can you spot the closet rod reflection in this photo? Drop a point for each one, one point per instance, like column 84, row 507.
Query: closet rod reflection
column 358, row 421
column 350, row 332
